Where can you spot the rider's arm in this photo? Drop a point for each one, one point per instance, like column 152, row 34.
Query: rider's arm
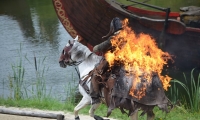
column 111, row 30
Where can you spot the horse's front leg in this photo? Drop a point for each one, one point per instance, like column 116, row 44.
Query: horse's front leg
column 83, row 103
column 150, row 115
column 134, row 116
column 93, row 108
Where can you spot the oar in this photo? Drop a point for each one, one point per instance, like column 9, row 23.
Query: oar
column 125, row 6
column 152, row 6
column 161, row 39
column 167, row 10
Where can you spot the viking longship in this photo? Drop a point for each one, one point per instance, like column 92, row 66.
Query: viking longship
column 90, row 20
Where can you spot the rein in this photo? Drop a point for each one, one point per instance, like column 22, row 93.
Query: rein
column 86, row 77
column 75, row 63
column 77, row 71
column 81, row 82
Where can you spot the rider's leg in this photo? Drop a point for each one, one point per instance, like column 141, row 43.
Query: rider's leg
column 150, row 115
column 134, row 116
column 94, row 90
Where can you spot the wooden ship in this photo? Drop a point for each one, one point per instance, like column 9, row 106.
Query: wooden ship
column 90, row 20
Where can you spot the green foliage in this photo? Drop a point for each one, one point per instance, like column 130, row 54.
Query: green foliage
column 192, row 89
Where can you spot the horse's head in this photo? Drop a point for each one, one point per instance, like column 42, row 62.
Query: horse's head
column 65, row 58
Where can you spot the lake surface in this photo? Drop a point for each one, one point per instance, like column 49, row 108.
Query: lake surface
column 35, row 25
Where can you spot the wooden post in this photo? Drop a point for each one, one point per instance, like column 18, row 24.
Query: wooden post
column 32, row 114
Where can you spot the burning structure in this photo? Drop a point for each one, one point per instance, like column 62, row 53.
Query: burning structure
column 140, row 57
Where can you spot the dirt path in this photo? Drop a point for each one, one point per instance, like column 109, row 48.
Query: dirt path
column 68, row 115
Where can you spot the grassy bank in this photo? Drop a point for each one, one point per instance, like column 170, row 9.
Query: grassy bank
column 177, row 113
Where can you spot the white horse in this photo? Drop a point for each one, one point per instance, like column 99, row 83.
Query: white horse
column 76, row 54
column 79, row 55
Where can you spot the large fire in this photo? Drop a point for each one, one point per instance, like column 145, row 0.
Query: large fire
column 140, row 56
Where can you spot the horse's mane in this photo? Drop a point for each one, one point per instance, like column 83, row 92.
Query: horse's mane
column 81, row 52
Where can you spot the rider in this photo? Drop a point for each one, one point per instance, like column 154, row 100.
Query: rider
column 115, row 27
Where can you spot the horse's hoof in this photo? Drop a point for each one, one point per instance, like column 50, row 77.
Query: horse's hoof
column 150, row 116
column 60, row 117
column 99, row 118
column 77, row 118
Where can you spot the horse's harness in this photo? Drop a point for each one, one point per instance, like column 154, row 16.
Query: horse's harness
column 67, row 55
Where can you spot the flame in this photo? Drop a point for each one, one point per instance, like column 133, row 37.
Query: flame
column 140, row 56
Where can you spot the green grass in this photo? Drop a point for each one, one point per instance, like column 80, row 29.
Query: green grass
column 47, row 103
column 177, row 113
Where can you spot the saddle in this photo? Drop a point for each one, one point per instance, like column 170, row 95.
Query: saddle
column 83, row 82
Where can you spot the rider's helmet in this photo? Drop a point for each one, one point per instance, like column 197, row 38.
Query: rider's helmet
column 116, row 23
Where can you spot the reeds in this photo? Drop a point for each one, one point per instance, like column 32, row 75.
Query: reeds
column 16, row 81
column 192, row 89
column 40, row 83
column 174, row 92
column 19, row 89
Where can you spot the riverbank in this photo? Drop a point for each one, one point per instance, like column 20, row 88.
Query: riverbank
column 66, row 109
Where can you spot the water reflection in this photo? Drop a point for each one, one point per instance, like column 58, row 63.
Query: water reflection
column 34, row 24
column 47, row 20
column 18, row 10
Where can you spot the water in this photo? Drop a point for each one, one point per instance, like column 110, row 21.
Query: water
column 35, row 25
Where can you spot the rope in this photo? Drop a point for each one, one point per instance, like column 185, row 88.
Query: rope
column 78, row 72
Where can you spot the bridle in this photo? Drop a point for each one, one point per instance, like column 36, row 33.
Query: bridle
column 66, row 59
column 66, row 56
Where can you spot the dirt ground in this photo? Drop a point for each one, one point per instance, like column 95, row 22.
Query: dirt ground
column 68, row 115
